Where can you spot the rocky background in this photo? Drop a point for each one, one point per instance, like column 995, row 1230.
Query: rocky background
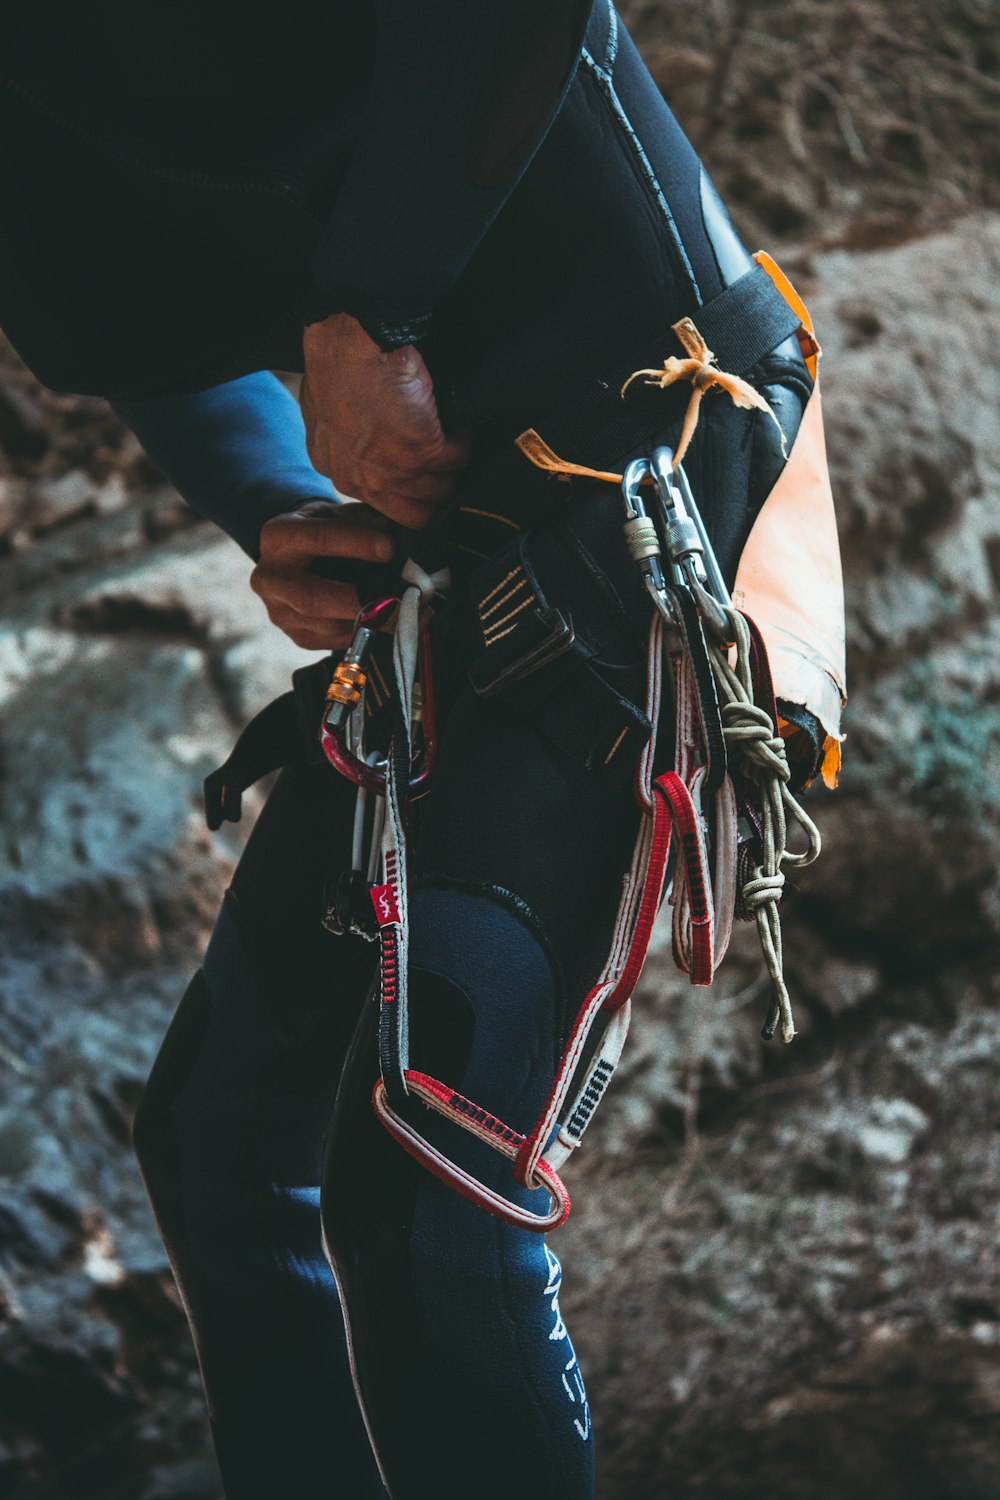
column 782, row 1269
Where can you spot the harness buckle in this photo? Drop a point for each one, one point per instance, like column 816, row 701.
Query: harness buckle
column 561, row 638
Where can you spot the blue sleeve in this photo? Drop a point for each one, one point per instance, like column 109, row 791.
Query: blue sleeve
column 236, row 452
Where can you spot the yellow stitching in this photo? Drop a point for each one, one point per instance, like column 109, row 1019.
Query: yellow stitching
column 484, row 614
column 512, row 574
column 500, row 634
column 490, row 636
column 490, row 515
column 381, row 680
column 471, row 551
column 617, row 742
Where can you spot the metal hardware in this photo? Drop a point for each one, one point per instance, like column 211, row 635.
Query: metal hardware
column 340, row 734
column 561, row 639
column 691, row 552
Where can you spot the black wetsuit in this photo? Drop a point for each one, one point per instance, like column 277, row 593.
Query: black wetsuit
column 530, row 313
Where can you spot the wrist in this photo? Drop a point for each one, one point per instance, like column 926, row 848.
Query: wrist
column 387, row 333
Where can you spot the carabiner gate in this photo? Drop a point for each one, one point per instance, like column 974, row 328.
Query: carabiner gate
column 691, row 553
column 344, row 697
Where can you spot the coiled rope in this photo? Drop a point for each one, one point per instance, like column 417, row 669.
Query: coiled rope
column 760, row 754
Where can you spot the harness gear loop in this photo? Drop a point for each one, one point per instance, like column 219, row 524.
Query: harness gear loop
column 702, row 370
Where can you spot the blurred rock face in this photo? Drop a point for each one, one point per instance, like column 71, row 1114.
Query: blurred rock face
column 782, row 1266
column 781, row 1269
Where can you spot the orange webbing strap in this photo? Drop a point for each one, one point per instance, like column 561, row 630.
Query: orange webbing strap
column 537, row 451
column 807, row 334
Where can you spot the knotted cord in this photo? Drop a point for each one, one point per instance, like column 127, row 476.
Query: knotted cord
column 701, row 369
column 752, row 741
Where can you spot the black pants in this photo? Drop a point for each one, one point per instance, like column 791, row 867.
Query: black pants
column 469, row 1376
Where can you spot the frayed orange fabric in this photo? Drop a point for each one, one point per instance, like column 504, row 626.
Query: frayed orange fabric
column 537, row 450
column 702, row 371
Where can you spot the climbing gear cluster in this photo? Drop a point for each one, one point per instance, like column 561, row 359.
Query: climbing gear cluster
column 722, row 810
column 714, row 824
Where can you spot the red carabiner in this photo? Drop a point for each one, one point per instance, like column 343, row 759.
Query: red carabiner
column 344, row 694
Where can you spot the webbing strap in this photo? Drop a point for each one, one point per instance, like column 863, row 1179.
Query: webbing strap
column 390, row 898
column 529, row 651
column 481, row 1123
column 744, row 323
column 708, row 730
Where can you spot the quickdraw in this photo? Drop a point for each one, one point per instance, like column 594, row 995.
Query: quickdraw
column 722, row 810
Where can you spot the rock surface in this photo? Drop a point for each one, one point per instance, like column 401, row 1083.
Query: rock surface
column 782, row 1273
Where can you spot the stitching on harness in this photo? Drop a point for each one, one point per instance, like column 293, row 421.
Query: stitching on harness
column 490, row 634
column 503, row 582
column 484, row 556
column 501, row 633
column 484, row 614
column 617, row 742
column 490, row 515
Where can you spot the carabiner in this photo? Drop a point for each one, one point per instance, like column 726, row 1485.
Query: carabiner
column 643, row 539
column 691, row 552
column 345, row 694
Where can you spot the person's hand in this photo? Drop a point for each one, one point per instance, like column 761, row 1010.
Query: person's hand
column 372, row 422
column 315, row 612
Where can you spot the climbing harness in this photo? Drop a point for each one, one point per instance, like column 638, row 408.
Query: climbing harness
column 728, row 755
column 716, row 821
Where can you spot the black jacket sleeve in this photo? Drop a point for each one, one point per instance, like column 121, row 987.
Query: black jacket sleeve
column 463, row 93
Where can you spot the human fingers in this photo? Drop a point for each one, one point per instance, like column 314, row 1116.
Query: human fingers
column 304, row 594
column 372, row 423
column 341, row 531
column 312, row 635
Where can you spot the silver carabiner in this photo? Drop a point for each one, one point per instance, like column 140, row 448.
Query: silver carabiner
column 691, row 552
column 643, row 538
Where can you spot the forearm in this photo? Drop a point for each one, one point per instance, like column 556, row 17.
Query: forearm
column 236, row 452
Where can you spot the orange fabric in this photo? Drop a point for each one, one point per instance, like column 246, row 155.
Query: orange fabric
column 789, row 582
column 807, row 334
column 537, row 450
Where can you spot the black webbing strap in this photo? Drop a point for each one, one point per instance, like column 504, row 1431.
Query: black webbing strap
column 746, row 321
column 705, row 688
column 285, row 733
column 528, row 651
column 743, row 324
